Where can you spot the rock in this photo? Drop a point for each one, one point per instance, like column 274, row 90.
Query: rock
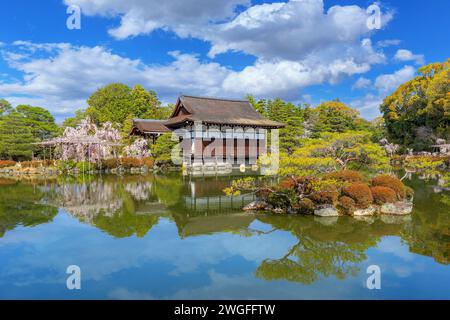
column 398, row 208
column 395, row 219
column 326, row 211
column 255, row 206
column 326, row 221
column 278, row 210
column 365, row 212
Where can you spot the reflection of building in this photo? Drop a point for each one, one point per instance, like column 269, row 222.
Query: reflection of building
column 214, row 130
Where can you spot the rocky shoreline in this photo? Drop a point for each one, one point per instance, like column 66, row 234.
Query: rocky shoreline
column 399, row 208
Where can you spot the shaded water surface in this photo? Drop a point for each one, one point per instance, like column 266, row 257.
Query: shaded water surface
column 165, row 237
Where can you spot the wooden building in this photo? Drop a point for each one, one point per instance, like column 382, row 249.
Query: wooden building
column 214, row 130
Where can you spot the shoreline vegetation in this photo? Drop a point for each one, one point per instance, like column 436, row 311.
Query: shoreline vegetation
column 331, row 160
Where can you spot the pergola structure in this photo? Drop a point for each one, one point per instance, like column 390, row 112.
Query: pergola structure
column 87, row 141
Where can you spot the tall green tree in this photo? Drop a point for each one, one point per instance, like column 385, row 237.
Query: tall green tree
column 418, row 112
column 336, row 116
column 5, row 106
column 39, row 120
column 16, row 137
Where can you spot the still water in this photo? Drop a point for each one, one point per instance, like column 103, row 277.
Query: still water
column 168, row 237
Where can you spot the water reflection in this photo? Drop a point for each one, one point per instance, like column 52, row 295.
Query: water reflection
column 131, row 206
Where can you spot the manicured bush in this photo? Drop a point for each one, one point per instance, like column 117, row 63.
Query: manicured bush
column 345, row 176
column 347, row 205
column 306, row 184
column 288, row 183
column 148, row 162
column 390, row 182
column 383, row 195
column 305, row 206
column 327, row 195
column 85, row 166
column 283, row 199
column 66, row 165
column 112, row 163
column 129, row 162
column 7, row 163
column 37, row 163
column 409, row 193
column 360, row 193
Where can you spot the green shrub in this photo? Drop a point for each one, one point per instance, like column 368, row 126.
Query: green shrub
column 283, row 199
column 85, row 166
column 383, row 195
column 360, row 193
column 390, row 182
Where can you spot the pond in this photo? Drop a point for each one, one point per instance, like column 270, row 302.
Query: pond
column 169, row 237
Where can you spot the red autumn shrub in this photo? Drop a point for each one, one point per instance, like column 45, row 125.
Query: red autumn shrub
column 148, row 162
column 347, row 204
column 7, row 163
column 305, row 206
column 360, row 193
column 383, row 195
column 328, row 195
column 390, row 182
column 288, row 183
column 128, row 162
column 345, row 176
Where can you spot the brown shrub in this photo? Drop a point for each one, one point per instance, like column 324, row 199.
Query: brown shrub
column 148, row 162
column 305, row 206
column 360, row 193
column 347, row 204
column 390, row 182
column 37, row 163
column 128, row 162
column 110, row 163
column 7, row 163
column 288, row 183
column 345, row 176
column 328, row 195
column 383, row 195
column 306, row 184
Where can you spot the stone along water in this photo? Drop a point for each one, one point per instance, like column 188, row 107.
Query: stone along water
column 165, row 237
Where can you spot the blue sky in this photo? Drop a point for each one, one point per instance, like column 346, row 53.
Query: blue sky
column 301, row 51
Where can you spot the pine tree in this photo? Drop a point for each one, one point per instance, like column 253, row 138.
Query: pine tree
column 16, row 137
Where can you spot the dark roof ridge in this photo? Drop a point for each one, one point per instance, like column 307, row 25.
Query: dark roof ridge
column 149, row 120
column 213, row 98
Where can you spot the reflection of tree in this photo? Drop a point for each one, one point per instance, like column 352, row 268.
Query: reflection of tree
column 19, row 205
column 429, row 232
column 321, row 250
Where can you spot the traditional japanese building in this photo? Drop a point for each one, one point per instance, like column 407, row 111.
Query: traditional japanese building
column 213, row 130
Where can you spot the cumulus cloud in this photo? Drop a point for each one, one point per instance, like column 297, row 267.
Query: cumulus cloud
column 144, row 16
column 362, row 83
column 384, row 84
column 406, row 55
column 388, row 82
column 63, row 80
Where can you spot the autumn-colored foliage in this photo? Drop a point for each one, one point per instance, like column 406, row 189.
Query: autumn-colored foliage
column 305, row 206
column 7, row 163
column 37, row 163
column 390, row 182
column 360, row 193
column 383, row 195
column 345, row 176
column 327, row 195
column 347, row 204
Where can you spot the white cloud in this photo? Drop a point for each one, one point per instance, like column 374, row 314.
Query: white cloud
column 362, row 83
column 63, row 81
column 144, row 16
column 384, row 84
column 406, row 55
column 388, row 82
column 388, row 43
